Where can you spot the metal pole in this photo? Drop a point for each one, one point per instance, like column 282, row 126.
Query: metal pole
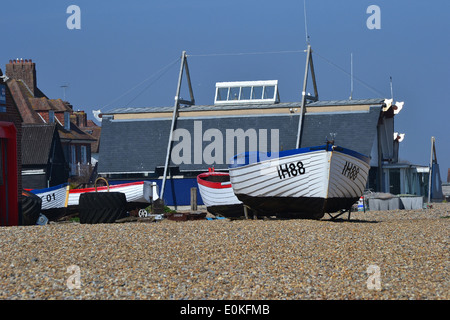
column 302, row 108
column 351, row 76
column 430, row 170
column 392, row 90
column 380, row 162
column 188, row 77
column 175, row 110
column 313, row 76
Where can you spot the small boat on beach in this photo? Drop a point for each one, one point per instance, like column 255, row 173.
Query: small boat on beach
column 138, row 194
column 53, row 200
column 300, row 183
column 217, row 194
column 53, row 197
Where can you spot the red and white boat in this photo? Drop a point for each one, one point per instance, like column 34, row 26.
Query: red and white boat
column 138, row 194
column 217, row 194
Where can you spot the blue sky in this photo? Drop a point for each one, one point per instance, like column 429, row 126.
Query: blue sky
column 124, row 44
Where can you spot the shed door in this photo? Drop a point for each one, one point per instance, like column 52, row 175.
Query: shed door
column 3, row 188
column 9, row 200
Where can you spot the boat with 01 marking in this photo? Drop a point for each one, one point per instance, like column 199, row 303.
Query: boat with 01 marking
column 217, row 194
column 52, row 197
column 300, row 183
column 54, row 200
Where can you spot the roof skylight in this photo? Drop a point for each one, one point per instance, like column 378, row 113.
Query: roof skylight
column 244, row 92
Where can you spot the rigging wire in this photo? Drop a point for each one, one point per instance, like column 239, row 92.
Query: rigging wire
column 349, row 74
column 151, row 83
column 244, row 53
column 292, row 51
column 164, row 70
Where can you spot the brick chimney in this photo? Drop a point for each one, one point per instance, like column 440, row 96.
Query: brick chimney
column 24, row 70
column 80, row 119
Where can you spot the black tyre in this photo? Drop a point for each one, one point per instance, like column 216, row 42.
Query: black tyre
column 31, row 208
column 102, row 207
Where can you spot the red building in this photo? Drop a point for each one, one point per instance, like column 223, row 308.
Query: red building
column 10, row 157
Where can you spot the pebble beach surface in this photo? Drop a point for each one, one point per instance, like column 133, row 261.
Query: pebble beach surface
column 224, row 259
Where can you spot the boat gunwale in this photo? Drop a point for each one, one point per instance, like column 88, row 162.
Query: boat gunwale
column 213, row 184
column 44, row 190
column 114, row 186
column 286, row 153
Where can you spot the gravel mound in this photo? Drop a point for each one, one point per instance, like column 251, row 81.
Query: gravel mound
column 223, row 259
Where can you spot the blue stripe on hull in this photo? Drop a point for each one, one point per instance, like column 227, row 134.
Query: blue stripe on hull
column 36, row 191
column 253, row 156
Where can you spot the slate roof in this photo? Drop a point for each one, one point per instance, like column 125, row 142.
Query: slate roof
column 140, row 145
column 95, row 131
column 75, row 133
column 36, row 143
column 375, row 101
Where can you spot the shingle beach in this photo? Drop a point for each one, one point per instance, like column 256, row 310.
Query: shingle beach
column 241, row 259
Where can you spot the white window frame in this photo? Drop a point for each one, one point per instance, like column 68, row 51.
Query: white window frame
column 251, row 84
column 83, row 153
column 66, row 120
column 73, row 158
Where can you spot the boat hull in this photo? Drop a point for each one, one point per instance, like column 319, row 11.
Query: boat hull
column 53, row 197
column 218, row 196
column 303, row 183
column 53, row 200
column 231, row 211
column 301, row 207
column 138, row 194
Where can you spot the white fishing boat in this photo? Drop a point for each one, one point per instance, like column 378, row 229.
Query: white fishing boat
column 138, row 194
column 217, row 194
column 303, row 183
column 54, row 200
column 53, row 197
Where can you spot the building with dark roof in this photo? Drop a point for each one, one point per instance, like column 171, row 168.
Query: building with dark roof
column 135, row 140
column 177, row 143
column 43, row 161
column 89, row 127
column 36, row 108
column 353, row 122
